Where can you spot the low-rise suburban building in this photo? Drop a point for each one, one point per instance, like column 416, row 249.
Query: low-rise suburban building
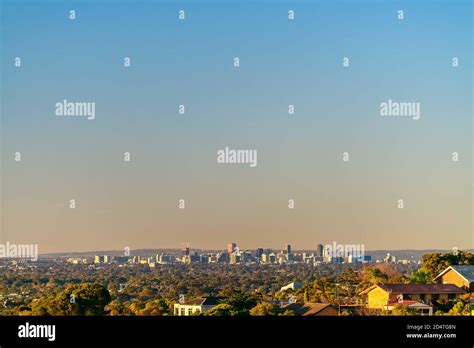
column 381, row 296
column 420, row 307
column 292, row 286
column 312, row 309
column 461, row 276
column 196, row 306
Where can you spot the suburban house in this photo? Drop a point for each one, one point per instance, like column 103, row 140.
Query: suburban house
column 312, row 309
column 196, row 306
column 420, row 307
column 386, row 296
column 461, row 276
column 292, row 286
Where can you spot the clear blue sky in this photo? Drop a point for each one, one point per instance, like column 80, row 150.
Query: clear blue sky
column 299, row 157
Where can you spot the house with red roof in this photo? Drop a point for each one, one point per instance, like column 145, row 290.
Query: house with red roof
column 421, row 296
column 312, row 309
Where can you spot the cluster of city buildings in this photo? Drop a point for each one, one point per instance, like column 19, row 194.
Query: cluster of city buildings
column 231, row 255
column 286, row 255
column 234, row 255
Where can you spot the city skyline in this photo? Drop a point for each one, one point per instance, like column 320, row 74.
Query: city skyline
column 180, row 248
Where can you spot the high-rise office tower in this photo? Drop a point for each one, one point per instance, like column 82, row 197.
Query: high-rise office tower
column 231, row 247
column 319, row 250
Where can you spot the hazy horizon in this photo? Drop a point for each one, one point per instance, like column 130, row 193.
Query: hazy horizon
column 244, row 249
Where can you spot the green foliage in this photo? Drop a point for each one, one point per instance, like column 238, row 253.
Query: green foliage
column 238, row 303
column 241, row 303
column 42, row 307
column 402, row 311
column 460, row 308
column 152, row 308
column 421, row 277
column 283, row 295
column 371, row 276
column 264, row 309
column 305, row 296
column 115, row 308
column 374, row 276
column 75, row 299
column 222, row 309
column 435, row 263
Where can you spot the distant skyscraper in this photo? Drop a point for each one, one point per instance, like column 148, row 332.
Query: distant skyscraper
column 235, row 258
column 319, row 250
column 272, row 258
column 288, row 249
column 259, row 253
column 223, row 257
column 185, row 251
column 231, row 247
